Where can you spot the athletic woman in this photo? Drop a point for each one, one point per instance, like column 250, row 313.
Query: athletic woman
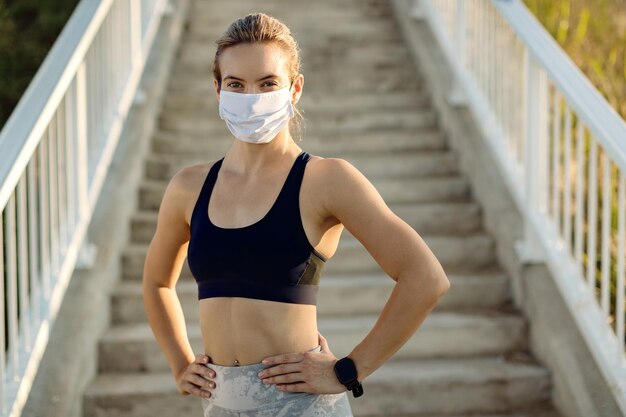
column 257, row 227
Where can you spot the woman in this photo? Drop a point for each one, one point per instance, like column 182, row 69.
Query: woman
column 257, row 229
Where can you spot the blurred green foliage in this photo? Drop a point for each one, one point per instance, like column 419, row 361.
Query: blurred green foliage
column 28, row 29
column 593, row 33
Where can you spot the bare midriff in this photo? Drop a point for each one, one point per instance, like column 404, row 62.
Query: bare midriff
column 241, row 331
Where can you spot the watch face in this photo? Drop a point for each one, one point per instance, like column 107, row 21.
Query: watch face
column 346, row 370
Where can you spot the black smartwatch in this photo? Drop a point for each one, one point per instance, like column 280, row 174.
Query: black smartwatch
column 347, row 374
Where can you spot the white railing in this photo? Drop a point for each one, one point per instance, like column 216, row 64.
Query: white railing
column 55, row 151
column 561, row 149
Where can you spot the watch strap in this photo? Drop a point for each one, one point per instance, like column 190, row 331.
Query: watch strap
column 356, row 388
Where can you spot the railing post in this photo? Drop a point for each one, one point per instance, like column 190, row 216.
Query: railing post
column 535, row 158
column 87, row 252
column 3, row 368
column 455, row 96
column 136, row 35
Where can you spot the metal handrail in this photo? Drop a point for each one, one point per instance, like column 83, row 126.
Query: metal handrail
column 55, row 151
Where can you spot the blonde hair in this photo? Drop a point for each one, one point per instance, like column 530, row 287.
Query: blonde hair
column 259, row 28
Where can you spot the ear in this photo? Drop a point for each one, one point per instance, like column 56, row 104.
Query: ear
column 217, row 89
column 298, row 83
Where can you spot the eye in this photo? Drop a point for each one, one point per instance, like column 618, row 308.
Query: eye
column 271, row 83
column 234, row 82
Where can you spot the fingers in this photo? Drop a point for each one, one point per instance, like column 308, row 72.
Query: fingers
column 197, row 378
column 284, row 378
column 279, row 373
column 195, row 390
column 204, row 370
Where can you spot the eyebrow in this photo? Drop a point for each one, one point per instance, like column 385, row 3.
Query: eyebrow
column 260, row 79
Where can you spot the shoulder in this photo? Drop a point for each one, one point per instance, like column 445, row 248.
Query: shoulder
column 331, row 169
column 339, row 183
column 183, row 188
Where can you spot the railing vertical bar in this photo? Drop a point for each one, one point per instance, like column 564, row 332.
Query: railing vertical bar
column 606, row 222
column 82, row 146
column 70, row 141
column 516, row 99
column 91, row 121
column 115, row 55
column 97, row 101
column 543, row 143
column 556, row 164
column 621, row 260
column 567, row 192
column 475, row 26
column 488, row 69
column 43, row 216
column 481, row 34
column 118, row 39
column 135, row 31
column 520, row 140
column 469, row 36
column 54, row 207
column 492, row 58
column 591, row 218
column 4, row 276
column 495, row 59
column 484, row 36
column 22, row 262
column 580, row 167
column 33, row 233
column 62, row 178
column 106, row 108
column 11, row 289
column 504, row 54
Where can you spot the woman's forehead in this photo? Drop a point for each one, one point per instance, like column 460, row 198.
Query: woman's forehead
column 249, row 60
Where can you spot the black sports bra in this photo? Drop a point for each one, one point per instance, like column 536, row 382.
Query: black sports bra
column 271, row 259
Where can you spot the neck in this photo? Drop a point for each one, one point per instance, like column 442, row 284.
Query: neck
column 247, row 159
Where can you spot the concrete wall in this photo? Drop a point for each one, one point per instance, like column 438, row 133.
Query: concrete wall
column 69, row 362
column 578, row 387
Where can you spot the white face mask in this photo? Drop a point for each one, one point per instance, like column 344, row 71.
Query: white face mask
column 256, row 118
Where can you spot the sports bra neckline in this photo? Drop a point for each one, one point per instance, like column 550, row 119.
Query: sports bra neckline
column 267, row 215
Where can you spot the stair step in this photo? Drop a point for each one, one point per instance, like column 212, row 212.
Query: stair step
column 366, row 121
column 336, row 143
column 326, row 15
column 387, row 164
column 455, row 253
column 452, row 188
column 191, row 77
column 470, row 253
column 455, row 218
column 430, row 387
column 133, row 348
column 311, row 102
column 204, row 54
column 338, row 295
column 308, row 30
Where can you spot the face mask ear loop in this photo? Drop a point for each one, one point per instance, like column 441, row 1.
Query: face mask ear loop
column 290, row 86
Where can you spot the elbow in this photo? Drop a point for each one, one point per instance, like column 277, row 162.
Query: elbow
column 444, row 285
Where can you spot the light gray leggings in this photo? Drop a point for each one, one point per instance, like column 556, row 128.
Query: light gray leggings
column 239, row 392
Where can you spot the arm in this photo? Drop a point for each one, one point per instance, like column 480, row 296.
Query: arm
column 397, row 248
column 164, row 260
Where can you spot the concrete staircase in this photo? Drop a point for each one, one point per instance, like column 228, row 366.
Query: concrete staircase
column 363, row 102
